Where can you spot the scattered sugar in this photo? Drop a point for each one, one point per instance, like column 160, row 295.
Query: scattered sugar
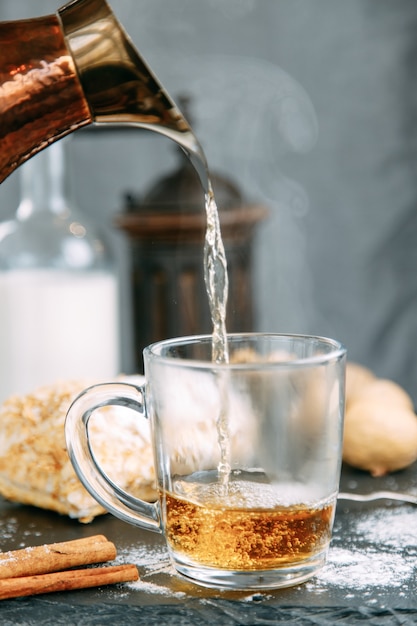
column 147, row 587
column 379, row 552
column 354, row 569
column 32, row 533
column 396, row 528
column 8, row 529
column 150, row 561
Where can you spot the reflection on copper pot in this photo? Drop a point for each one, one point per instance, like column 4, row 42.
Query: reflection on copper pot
column 61, row 72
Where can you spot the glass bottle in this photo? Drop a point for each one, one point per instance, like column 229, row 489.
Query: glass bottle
column 59, row 314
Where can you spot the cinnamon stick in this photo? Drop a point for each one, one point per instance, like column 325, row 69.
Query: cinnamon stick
column 66, row 581
column 56, row 556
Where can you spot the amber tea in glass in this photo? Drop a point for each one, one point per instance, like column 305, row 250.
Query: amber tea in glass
column 247, row 455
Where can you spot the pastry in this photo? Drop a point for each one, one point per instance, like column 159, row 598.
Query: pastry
column 34, row 465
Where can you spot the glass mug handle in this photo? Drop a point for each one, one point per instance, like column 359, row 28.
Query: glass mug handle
column 123, row 505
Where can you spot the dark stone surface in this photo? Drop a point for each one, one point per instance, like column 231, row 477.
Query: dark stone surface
column 163, row 598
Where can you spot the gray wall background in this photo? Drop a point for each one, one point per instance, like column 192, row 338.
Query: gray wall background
column 311, row 106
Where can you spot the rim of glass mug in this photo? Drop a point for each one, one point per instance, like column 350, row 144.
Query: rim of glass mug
column 156, row 350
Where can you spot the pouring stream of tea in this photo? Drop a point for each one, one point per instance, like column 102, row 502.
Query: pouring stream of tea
column 217, row 285
column 216, row 279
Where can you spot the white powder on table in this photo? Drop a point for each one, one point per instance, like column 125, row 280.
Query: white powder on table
column 379, row 553
column 360, row 570
column 8, row 529
column 150, row 561
column 396, row 528
column 153, row 560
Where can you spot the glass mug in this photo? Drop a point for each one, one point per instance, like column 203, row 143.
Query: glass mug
column 247, row 455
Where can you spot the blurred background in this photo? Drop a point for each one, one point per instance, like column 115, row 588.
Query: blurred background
column 310, row 107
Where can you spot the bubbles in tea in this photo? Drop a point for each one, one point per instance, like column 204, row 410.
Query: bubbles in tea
column 248, row 529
